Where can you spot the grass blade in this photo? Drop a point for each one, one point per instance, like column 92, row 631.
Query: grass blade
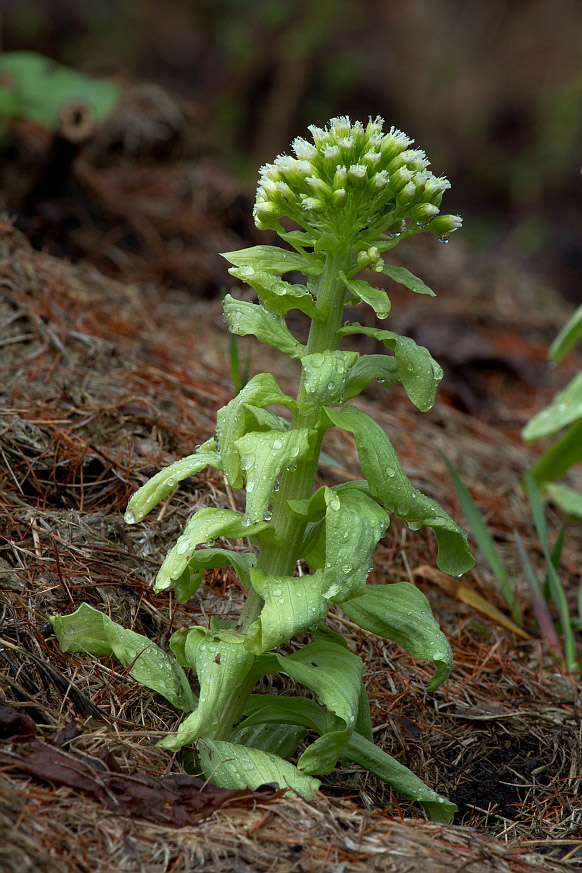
column 484, row 541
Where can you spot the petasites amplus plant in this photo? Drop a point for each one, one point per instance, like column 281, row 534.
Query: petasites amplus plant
column 353, row 193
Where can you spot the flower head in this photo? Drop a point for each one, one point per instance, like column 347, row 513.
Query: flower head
column 352, row 179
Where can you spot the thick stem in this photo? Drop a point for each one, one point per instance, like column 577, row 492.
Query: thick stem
column 297, row 483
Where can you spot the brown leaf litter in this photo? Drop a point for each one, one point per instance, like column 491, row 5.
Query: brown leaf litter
column 102, row 384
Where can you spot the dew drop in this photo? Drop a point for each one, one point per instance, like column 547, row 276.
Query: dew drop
column 129, row 517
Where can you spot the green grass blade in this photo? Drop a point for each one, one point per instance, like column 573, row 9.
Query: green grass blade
column 556, row 589
column 540, row 607
column 484, row 540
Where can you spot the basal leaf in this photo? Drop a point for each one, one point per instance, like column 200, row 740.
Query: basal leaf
column 568, row 336
column 164, row 482
column 292, row 604
column 367, row 368
column 565, row 408
column 405, row 277
column 324, row 376
column 222, row 664
column 278, row 739
column 263, row 457
column 245, row 318
column 273, row 260
column 375, row 297
column 88, row 630
column 419, row 372
column 390, row 486
column 401, row 612
column 361, row 751
column 234, row 766
column 232, row 420
column 207, row 524
column 277, row 295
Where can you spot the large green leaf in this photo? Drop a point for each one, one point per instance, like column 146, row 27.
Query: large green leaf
column 325, row 374
column 568, row 336
column 267, row 709
column 207, row 524
column 263, row 457
column 278, row 739
column 276, row 294
column 292, row 604
column 37, row 88
column 354, row 524
column 210, row 559
column 375, row 297
column 234, row 766
column 419, row 372
column 88, row 630
column 233, row 420
column 565, row 408
column 164, row 482
column 390, row 486
column 368, row 367
column 335, row 675
column 405, row 277
column 245, row 318
column 222, row 665
column 272, row 259
column 401, row 612
column 361, row 751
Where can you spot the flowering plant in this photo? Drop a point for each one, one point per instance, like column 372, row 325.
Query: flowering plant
column 353, row 193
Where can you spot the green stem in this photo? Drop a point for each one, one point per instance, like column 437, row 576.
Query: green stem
column 297, row 484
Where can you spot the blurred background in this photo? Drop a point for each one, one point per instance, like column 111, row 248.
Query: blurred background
column 491, row 90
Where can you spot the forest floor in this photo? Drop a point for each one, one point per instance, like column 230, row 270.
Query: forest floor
column 115, row 366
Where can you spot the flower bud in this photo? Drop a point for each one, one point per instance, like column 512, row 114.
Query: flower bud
column 444, row 224
column 424, row 212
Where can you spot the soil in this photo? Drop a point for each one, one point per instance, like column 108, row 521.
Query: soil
column 113, row 366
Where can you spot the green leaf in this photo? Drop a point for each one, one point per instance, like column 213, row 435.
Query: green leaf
column 88, row 630
column 354, row 524
column 368, row 367
column 222, row 665
column 164, row 482
column 299, row 238
column 257, row 419
column 390, row 486
column 569, row 500
column 568, row 336
column 405, row 277
column 361, row 751
column 232, row 421
column 401, row 612
column 210, row 559
column 279, row 739
column 565, row 408
column 335, row 675
column 375, row 297
column 275, row 709
column 233, row 766
column 272, row 259
column 207, row 524
column 560, row 456
column 268, row 327
column 276, row 294
column 263, row 457
column 36, row 88
column 292, row 604
column 419, row 372
column 325, row 374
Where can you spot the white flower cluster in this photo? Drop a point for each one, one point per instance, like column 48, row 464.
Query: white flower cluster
column 351, row 178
